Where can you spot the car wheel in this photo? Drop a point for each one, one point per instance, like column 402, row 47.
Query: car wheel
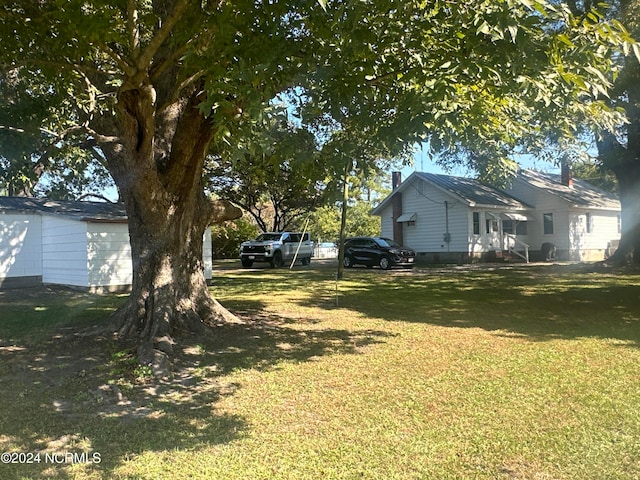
column 247, row 263
column 306, row 260
column 384, row 263
column 347, row 262
column 277, row 260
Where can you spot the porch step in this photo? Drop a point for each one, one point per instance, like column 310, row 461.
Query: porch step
column 511, row 258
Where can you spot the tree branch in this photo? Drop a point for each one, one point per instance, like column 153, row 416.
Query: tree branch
column 176, row 93
column 144, row 60
column 126, row 68
column 132, row 26
column 95, row 195
column 222, row 210
column 103, row 138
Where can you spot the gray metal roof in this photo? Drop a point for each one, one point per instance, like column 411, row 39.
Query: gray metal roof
column 473, row 192
column 477, row 194
column 468, row 190
column 582, row 194
column 77, row 210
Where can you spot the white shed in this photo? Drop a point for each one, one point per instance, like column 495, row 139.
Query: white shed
column 78, row 244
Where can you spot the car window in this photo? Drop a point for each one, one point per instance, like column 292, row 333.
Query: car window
column 387, row 242
column 268, row 237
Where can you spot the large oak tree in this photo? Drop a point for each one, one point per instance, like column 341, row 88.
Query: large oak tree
column 153, row 84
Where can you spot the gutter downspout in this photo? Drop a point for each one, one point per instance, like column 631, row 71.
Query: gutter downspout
column 447, row 235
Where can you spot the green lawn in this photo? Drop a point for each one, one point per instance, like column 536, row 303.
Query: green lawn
column 520, row 373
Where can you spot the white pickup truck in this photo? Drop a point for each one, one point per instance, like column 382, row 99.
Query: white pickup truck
column 277, row 248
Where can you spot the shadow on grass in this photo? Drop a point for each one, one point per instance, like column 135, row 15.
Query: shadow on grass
column 539, row 303
column 83, row 394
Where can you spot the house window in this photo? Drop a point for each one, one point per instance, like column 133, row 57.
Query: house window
column 521, row 228
column 507, row 226
column 492, row 225
column 547, row 221
column 476, row 223
column 589, row 220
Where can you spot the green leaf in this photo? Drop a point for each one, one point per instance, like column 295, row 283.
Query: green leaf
column 484, row 28
column 565, row 39
column 636, row 50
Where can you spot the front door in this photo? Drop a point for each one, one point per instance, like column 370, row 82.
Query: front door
column 494, row 232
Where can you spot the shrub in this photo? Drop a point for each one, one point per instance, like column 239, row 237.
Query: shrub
column 228, row 236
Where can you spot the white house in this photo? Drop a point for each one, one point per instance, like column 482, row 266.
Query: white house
column 580, row 220
column 78, row 244
column 455, row 219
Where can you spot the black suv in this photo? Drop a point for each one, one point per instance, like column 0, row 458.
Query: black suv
column 372, row 251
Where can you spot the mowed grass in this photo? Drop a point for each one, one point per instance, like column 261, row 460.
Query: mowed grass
column 515, row 373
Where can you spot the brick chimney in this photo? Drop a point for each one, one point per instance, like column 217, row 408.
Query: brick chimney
column 396, row 207
column 566, row 175
column 396, row 179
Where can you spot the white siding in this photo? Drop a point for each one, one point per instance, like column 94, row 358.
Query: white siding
column 20, row 246
column 108, row 255
column 570, row 235
column 591, row 245
column 64, row 251
column 386, row 222
column 207, row 254
column 427, row 235
column 543, row 203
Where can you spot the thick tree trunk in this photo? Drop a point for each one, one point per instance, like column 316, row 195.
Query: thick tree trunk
column 629, row 188
column 625, row 164
column 157, row 164
column 169, row 292
column 624, row 159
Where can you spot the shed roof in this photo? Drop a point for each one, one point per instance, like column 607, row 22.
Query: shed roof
column 76, row 210
column 582, row 194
